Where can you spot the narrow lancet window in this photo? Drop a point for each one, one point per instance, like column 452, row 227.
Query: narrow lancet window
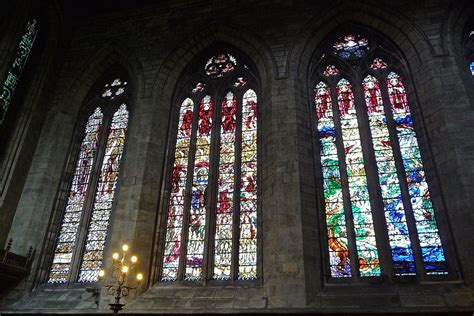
column 80, row 246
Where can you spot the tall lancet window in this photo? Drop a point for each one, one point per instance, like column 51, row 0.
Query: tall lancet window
column 88, row 207
column 16, row 68
column 378, row 212
column 211, row 218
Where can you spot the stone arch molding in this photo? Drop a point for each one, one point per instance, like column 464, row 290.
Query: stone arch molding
column 179, row 58
column 455, row 27
column 406, row 36
column 112, row 53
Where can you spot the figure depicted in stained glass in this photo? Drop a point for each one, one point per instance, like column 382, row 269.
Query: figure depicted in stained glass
column 205, row 118
column 186, row 122
column 397, row 93
column 419, row 195
column 402, row 253
column 373, row 97
column 335, row 218
column 323, row 100
column 345, row 97
column 357, row 182
column 228, row 115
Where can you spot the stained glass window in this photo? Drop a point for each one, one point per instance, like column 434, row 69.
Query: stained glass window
column 248, row 189
column 99, row 222
column 334, row 204
column 199, row 191
column 220, row 64
column 400, row 245
column 91, row 197
column 16, row 68
column 419, row 195
column 77, row 195
column 351, row 46
column 211, row 226
column 357, row 182
column 378, row 63
column 330, row 70
column 379, row 136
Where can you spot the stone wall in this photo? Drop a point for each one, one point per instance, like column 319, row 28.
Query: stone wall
column 154, row 45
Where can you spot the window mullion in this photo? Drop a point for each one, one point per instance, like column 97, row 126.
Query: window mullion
column 413, row 234
column 89, row 202
column 381, row 236
column 236, row 196
column 187, row 200
column 345, row 186
column 209, row 245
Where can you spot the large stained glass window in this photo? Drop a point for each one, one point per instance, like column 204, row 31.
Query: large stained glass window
column 79, row 252
column 16, row 68
column 376, row 196
column 211, row 226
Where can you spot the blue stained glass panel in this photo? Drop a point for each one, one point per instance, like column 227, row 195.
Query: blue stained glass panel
column 402, row 253
column 339, row 260
column 430, row 242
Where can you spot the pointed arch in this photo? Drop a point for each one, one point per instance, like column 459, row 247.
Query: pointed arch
column 176, row 62
column 211, row 217
column 373, row 135
column 87, row 206
column 407, row 36
column 111, row 55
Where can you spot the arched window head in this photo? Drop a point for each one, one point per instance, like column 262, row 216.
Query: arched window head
column 16, row 68
column 87, row 209
column 379, row 215
column 211, row 220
